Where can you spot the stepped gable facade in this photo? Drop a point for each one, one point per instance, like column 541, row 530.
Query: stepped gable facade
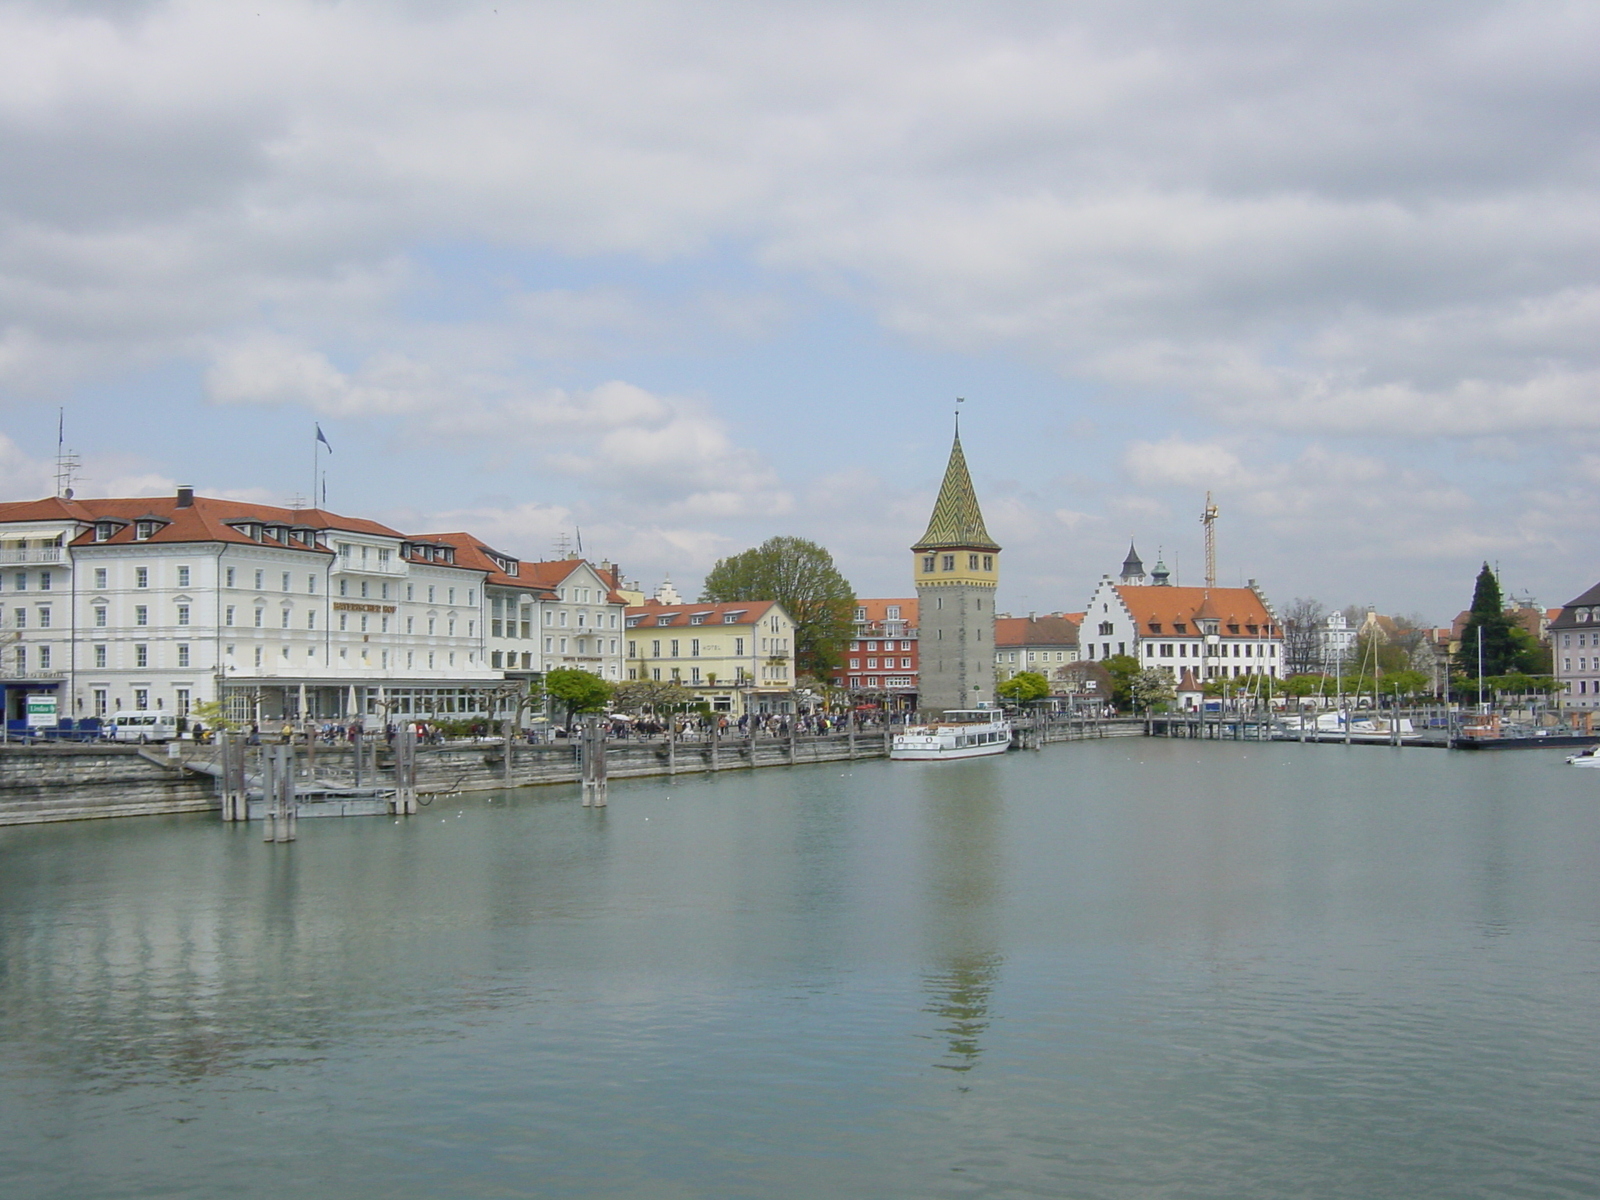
column 1215, row 632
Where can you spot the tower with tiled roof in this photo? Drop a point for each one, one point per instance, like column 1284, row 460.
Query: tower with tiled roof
column 956, row 569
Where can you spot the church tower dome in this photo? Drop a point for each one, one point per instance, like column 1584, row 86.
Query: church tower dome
column 1132, row 568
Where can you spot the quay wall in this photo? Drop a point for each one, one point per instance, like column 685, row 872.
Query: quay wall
column 74, row 783
column 71, row 783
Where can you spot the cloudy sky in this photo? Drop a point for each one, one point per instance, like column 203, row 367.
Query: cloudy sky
column 688, row 275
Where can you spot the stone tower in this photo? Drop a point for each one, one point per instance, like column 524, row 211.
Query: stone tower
column 957, row 568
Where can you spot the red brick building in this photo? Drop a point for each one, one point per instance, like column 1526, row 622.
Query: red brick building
column 880, row 663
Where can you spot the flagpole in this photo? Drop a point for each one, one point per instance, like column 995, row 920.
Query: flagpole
column 316, row 463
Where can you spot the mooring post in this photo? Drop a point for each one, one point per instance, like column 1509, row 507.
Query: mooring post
column 355, row 745
column 405, row 770
column 225, row 776
column 277, row 776
column 594, row 762
column 672, row 745
column 850, row 728
column 716, row 740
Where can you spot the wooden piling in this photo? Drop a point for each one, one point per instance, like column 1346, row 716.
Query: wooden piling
column 594, row 762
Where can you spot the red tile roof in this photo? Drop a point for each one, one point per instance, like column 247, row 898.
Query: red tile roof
column 651, row 613
column 204, row 519
column 1167, row 606
column 1049, row 630
column 878, row 610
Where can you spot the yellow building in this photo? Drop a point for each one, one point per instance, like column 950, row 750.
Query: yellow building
column 738, row 657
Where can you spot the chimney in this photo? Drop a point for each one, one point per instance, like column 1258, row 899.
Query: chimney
column 186, row 497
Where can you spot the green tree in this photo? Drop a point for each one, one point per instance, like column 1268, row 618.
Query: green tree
column 799, row 575
column 1023, row 687
column 579, row 691
column 213, row 714
column 1308, row 685
column 1488, row 619
column 1122, row 667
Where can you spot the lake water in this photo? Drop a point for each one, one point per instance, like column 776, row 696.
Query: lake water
column 1127, row 968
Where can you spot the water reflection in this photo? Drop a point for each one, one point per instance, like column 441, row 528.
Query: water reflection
column 962, row 823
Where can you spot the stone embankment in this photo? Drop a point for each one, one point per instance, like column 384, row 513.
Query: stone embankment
column 70, row 783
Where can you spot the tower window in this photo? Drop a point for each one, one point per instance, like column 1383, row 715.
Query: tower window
column 949, row 562
column 972, row 562
column 927, row 564
column 988, row 562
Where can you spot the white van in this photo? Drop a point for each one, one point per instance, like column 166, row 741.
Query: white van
column 142, row 727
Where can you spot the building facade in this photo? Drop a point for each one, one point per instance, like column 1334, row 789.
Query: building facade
column 737, row 657
column 544, row 615
column 881, row 660
column 161, row 603
column 1575, row 648
column 1215, row 632
column 957, row 569
column 1044, row 644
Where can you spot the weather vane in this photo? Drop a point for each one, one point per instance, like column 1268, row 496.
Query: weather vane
column 959, row 401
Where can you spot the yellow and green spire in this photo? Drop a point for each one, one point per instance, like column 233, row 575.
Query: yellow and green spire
column 957, row 521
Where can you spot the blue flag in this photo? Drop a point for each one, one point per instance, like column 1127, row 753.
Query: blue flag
column 321, row 438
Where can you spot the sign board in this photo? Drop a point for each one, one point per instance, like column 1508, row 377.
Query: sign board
column 41, row 712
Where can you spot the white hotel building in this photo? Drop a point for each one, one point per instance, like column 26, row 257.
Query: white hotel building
column 160, row 603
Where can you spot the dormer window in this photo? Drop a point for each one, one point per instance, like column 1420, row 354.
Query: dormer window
column 1234, row 630
column 1582, row 614
column 663, row 620
column 142, row 530
column 104, row 531
column 1155, row 626
column 1180, row 627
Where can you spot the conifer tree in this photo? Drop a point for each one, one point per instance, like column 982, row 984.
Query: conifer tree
column 1502, row 650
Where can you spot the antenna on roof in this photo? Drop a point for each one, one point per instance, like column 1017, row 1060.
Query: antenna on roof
column 563, row 544
column 296, row 502
column 66, row 460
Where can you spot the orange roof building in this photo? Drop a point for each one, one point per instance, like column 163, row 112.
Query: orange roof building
column 162, row 602
column 881, row 664
column 1215, row 632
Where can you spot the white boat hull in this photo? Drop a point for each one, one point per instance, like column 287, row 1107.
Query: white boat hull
column 932, row 753
column 968, row 739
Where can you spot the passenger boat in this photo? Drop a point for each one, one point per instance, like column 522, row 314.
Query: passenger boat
column 959, row 733
column 1589, row 756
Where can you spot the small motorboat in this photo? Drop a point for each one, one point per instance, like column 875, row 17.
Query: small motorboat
column 1589, row 756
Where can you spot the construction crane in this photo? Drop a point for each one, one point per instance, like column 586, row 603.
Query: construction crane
column 1208, row 518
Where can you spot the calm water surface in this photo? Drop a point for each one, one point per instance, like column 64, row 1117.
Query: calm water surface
column 1117, row 969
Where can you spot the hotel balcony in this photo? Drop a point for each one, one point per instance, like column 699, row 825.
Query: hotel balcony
column 31, row 554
